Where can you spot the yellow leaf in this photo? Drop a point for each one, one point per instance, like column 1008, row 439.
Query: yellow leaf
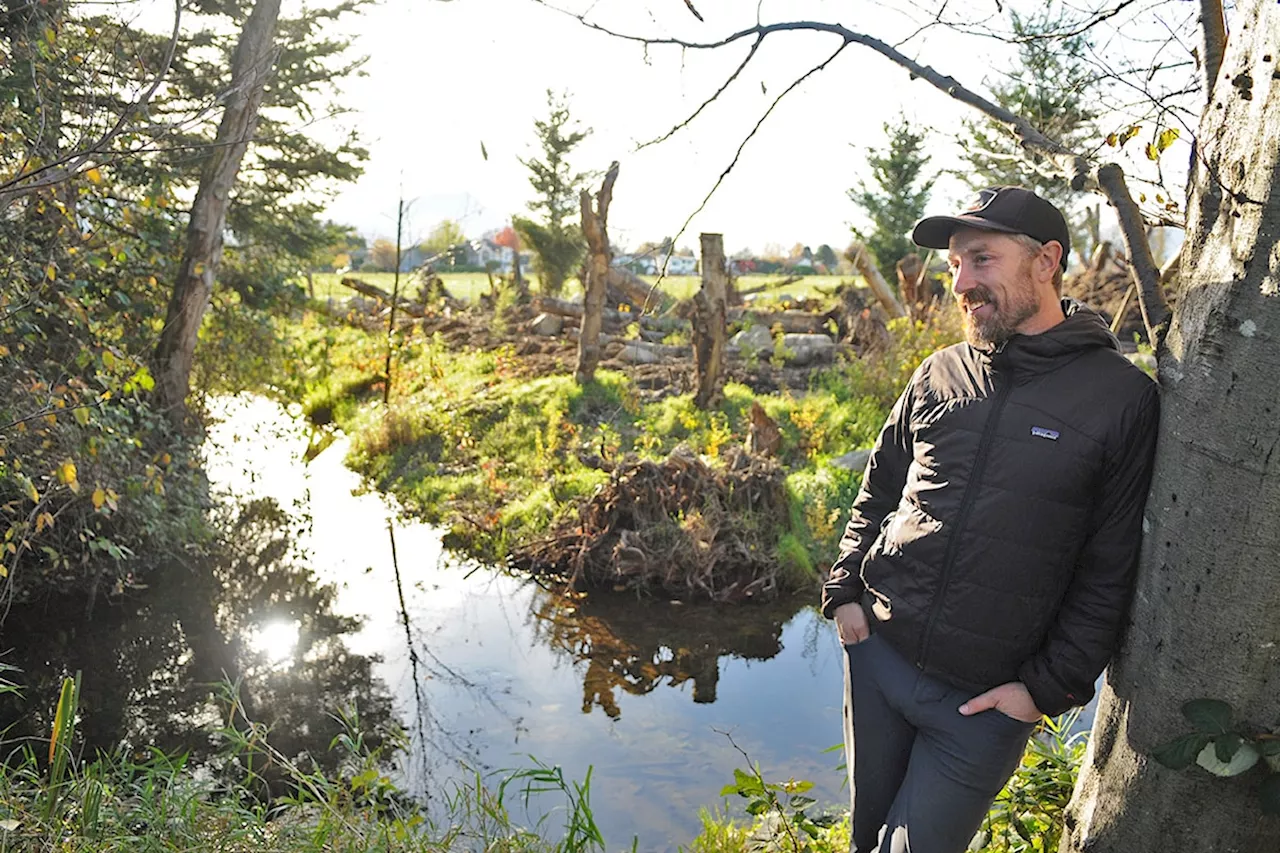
column 51, row 418
column 67, row 473
column 94, row 175
column 4, row 350
column 1153, row 153
column 81, row 415
column 1167, row 137
column 51, row 272
column 43, row 520
column 165, row 459
column 99, row 497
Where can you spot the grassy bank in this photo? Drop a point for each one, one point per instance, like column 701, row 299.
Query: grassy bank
column 490, row 444
column 53, row 800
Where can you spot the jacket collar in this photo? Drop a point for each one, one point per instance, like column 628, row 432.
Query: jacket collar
column 1081, row 331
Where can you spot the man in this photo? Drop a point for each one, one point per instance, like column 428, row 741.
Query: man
column 987, row 567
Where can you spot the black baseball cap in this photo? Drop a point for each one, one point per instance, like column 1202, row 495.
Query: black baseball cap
column 1012, row 210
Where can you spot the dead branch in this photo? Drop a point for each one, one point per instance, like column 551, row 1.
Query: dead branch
column 866, row 264
column 1080, row 172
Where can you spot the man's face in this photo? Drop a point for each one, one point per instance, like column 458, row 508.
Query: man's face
column 993, row 283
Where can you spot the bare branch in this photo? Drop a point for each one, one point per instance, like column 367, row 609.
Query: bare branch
column 738, row 154
column 734, row 76
column 689, row 3
column 1146, row 275
column 1213, row 29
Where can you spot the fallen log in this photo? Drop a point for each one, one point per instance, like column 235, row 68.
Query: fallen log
column 638, row 292
column 790, row 321
column 415, row 309
column 770, row 285
column 565, row 308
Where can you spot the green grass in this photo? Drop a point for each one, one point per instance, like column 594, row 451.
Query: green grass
column 468, row 286
column 472, row 442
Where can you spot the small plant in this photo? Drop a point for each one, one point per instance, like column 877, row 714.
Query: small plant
column 1225, row 747
column 1027, row 816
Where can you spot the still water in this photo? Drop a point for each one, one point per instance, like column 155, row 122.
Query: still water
column 328, row 598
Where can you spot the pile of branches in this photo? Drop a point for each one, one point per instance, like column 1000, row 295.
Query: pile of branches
column 675, row 527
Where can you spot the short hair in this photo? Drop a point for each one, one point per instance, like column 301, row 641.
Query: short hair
column 1031, row 245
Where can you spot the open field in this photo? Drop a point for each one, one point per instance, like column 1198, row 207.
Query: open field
column 469, row 285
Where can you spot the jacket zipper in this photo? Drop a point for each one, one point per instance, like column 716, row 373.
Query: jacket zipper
column 966, row 504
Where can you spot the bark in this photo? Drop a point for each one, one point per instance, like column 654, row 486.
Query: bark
column 595, row 220
column 770, row 285
column 797, row 322
column 638, row 292
column 251, row 65
column 866, row 264
column 1213, row 31
column 710, row 333
column 1204, row 620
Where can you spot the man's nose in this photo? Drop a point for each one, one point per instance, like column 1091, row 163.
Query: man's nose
column 961, row 279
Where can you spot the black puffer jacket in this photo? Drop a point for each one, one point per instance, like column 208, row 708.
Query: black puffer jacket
column 998, row 525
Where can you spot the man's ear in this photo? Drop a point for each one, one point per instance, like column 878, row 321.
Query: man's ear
column 1051, row 253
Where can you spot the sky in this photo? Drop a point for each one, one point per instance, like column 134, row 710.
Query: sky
column 451, row 89
column 446, row 77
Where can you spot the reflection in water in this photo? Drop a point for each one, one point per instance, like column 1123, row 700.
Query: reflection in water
column 152, row 660
column 625, row 648
column 478, row 666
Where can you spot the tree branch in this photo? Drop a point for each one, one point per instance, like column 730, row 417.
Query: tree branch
column 734, row 76
column 738, row 154
column 1213, row 30
column 64, row 167
column 1081, row 173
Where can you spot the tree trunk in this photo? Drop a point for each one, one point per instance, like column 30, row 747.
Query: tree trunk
column 866, row 264
column 250, row 67
column 1204, row 620
column 710, row 336
column 594, row 228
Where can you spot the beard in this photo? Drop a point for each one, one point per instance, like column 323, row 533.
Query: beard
column 1016, row 304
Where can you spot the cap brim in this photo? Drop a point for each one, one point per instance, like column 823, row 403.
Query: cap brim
column 934, row 232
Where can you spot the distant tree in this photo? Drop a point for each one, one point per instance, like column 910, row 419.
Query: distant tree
column 556, row 239
column 1053, row 85
column 508, row 239
column 897, row 197
column 383, row 255
column 827, row 256
column 445, row 236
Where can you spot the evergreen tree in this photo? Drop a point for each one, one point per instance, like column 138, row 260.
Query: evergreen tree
column 556, row 239
column 1052, row 86
column 899, row 195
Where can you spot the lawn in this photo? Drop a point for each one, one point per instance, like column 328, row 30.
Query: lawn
column 469, row 285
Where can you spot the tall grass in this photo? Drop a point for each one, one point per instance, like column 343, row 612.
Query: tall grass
column 53, row 800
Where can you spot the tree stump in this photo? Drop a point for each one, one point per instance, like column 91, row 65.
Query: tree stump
column 594, row 222
column 710, row 335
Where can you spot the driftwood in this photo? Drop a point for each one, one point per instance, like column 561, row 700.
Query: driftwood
column 595, row 219
column 710, row 325
column 865, row 262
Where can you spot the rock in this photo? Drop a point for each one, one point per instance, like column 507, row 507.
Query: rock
column 807, row 349
column 756, row 339
column 855, row 460
column 548, row 325
column 636, row 353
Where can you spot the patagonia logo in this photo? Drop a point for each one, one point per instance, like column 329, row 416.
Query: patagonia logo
column 1042, row 432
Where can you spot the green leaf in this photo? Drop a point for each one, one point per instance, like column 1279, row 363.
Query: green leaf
column 1269, row 793
column 1178, row 753
column 755, row 808
column 799, row 802
column 1225, row 746
column 1211, row 716
column 1245, row 757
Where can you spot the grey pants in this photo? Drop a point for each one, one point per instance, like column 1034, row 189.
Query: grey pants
column 921, row 775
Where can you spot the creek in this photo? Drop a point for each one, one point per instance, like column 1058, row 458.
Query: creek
column 328, row 598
